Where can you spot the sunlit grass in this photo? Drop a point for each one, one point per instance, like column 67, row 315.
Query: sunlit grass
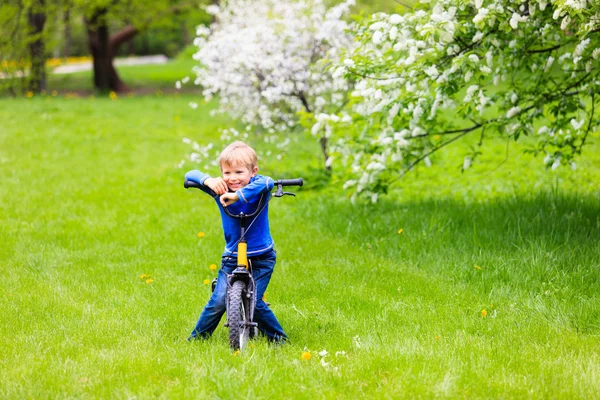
column 482, row 284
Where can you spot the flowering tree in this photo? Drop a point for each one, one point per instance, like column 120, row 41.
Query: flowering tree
column 451, row 68
column 267, row 61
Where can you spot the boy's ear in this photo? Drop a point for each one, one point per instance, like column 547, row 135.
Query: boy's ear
column 254, row 171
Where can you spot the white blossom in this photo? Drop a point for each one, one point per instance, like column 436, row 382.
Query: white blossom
column 512, row 112
column 515, row 19
column 577, row 124
column 556, row 163
column 466, row 163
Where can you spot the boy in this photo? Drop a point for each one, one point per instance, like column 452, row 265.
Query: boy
column 240, row 190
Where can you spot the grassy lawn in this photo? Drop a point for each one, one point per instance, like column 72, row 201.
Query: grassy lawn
column 489, row 291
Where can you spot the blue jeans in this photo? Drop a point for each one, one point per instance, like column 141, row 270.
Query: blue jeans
column 262, row 269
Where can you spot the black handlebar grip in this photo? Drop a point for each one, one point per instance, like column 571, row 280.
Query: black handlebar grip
column 290, row 182
column 188, row 184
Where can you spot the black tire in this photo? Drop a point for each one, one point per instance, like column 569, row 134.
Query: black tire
column 239, row 316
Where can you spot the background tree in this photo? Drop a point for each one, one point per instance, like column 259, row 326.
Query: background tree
column 36, row 17
column 267, row 61
column 26, row 28
column 100, row 15
column 448, row 69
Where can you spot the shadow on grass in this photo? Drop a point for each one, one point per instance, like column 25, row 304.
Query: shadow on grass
column 542, row 249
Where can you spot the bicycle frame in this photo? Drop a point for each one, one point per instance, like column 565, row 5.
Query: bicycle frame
column 243, row 271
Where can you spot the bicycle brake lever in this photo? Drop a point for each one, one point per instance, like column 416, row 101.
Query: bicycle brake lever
column 281, row 193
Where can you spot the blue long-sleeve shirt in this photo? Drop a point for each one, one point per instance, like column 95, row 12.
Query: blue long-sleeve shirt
column 258, row 236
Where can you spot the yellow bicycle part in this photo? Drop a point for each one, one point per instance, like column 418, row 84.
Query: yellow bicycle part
column 243, row 254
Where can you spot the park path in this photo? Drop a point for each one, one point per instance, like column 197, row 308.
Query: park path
column 137, row 60
column 87, row 65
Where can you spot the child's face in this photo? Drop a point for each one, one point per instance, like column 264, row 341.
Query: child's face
column 237, row 176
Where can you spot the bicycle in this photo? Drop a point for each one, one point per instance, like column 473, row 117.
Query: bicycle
column 240, row 297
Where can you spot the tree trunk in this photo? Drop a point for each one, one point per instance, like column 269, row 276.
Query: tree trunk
column 103, row 49
column 213, row 19
column 37, row 50
column 68, row 35
column 323, row 142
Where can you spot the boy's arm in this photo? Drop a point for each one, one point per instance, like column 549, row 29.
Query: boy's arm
column 258, row 186
column 212, row 186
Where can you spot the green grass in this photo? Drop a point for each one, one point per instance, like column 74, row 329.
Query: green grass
column 92, row 199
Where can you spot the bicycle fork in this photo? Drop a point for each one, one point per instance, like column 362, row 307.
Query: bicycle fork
column 243, row 273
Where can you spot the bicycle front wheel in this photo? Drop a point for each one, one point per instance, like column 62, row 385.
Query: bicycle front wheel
column 239, row 316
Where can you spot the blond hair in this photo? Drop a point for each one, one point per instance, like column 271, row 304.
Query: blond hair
column 239, row 153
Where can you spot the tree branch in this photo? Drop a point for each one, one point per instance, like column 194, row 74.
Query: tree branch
column 125, row 34
column 418, row 160
column 405, row 5
column 589, row 127
column 302, row 98
column 549, row 49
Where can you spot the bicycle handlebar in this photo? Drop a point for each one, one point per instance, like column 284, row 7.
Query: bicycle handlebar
column 290, row 182
column 191, row 184
column 283, row 182
column 278, row 184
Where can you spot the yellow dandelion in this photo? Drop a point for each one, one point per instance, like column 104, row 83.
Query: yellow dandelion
column 237, row 353
column 54, row 93
column 206, row 281
column 213, row 267
column 306, row 355
column 143, row 276
column 483, row 313
column 200, row 234
column 400, row 231
column 149, row 280
column 264, row 297
column 29, row 94
column 112, row 95
column 437, row 337
column 477, row 267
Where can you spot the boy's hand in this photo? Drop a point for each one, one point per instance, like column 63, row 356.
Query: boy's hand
column 228, row 198
column 217, row 185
